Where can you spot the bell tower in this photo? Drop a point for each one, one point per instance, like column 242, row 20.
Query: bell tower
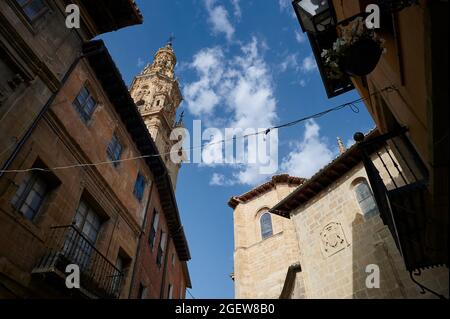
column 157, row 95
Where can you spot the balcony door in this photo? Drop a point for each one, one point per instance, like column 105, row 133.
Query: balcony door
column 81, row 240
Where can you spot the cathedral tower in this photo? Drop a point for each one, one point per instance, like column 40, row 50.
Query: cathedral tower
column 157, row 96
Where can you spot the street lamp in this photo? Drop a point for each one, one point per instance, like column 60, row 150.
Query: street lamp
column 314, row 15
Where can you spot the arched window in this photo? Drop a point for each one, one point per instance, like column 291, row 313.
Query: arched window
column 266, row 225
column 365, row 198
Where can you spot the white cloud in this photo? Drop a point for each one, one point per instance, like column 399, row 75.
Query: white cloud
column 218, row 18
column 284, row 4
column 199, row 95
column 242, row 86
column 290, row 61
column 309, row 155
column 300, row 36
column 350, row 143
column 237, row 9
column 308, row 64
column 140, row 62
column 220, row 180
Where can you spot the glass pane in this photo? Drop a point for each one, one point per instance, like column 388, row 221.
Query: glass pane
column 33, row 8
column 266, row 225
column 27, row 212
column 20, row 192
column 90, row 105
column 362, row 191
column 156, row 221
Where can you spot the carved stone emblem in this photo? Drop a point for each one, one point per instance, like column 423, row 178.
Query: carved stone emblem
column 332, row 239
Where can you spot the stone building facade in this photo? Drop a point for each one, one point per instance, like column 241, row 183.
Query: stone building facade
column 260, row 265
column 66, row 194
column 338, row 237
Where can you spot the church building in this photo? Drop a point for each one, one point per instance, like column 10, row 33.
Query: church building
column 324, row 237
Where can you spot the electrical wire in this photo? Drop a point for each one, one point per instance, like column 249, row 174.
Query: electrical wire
column 352, row 105
column 190, row 294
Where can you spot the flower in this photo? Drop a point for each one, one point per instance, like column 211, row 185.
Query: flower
column 349, row 35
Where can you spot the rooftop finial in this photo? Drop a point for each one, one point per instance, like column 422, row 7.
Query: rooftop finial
column 171, row 39
column 342, row 148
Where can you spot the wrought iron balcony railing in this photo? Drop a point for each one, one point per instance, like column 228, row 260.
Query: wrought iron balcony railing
column 67, row 245
column 403, row 200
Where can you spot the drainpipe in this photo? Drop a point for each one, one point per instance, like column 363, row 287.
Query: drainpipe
column 138, row 249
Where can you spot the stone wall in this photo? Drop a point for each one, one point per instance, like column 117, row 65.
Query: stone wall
column 261, row 265
column 337, row 242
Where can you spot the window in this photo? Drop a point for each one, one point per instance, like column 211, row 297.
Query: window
column 81, row 247
column 154, row 229
column 142, row 291
column 114, row 150
column 33, row 9
column 85, row 104
column 161, row 249
column 170, row 292
column 118, row 274
column 181, row 291
column 30, row 195
column 173, row 259
column 266, row 225
column 139, row 187
column 365, row 198
column 87, row 221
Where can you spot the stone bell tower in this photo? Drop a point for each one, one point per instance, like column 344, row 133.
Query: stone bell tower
column 157, row 95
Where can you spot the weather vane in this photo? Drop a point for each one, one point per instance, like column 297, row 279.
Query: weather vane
column 171, row 39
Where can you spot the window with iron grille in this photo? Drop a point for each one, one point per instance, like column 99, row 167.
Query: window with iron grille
column 266, row 226
column 139, row 187
column 114, row 150
column 154, row 229
column 32, row 9
column 81, row 247
column 85, row 104
column 161, row 249
column 30, row 195
column 365, row 198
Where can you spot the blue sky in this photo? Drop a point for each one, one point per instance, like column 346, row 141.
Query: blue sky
column 241, row 63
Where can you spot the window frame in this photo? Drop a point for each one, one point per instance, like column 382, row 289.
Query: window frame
column 265, row 234
column 31, row 19
column 90, row 210
column 139, row 194
column 374, row 210
column 161, row 248
column 113, row 147
column 80, row 106
column 21, row 197
column 153, row 229
column 170, row 289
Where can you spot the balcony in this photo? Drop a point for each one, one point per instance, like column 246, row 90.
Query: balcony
column 400, row 187
column 99, row 278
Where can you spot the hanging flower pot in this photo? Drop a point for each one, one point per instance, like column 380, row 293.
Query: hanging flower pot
column 356, row 52
column 361, row 57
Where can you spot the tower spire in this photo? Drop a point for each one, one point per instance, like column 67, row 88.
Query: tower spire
column 157, row 94
column 342, row 148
